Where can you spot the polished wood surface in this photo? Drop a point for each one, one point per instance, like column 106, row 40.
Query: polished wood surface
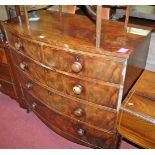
column 7, row 84
column 66, row 80
column 3, row 59
column 71, row 126
column 76, row 33
column 27, row 47
column 84, row 111
column 137, row 115
column 64, row 60
column 67, row 84
column 7, row 88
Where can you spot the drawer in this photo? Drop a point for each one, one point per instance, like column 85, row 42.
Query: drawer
column 76, row 129
column 101, row 68
column 27, row 47
column 7, row 88
column 97, row 93
column 29, row 67
column 5, row 72
column 3, row 58
column 89, row 113
column 137, row 120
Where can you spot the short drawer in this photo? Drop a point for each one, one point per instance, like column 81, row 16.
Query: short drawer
column 5, row 72
column 76, row 129
column 29, row 67
column 27, row 47
column 7, row 88
column 89, row 113
column 101, row 68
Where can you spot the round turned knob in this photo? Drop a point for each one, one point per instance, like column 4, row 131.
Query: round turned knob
column 78, row 112
column 76, row 67
column 28, row 85
column 34, row 104
column 18, row 45
column 23, row 66
column 77, row 89
column 0, row 85
column 81, row 132
column 31, row 107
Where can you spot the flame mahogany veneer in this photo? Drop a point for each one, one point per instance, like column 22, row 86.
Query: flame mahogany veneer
column 72, row 86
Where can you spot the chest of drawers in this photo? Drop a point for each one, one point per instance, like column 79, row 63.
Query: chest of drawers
column 73, row 87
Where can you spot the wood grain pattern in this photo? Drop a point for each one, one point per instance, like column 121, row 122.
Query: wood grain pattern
column 5, row 72
column 76, row 35
column 91, row 113
column 27, row 47
column 35, row 71
column 137, row 115
column 93, row 92
column 79, row 102
column 63, row 60
column 7, row 88
column 2, row 56
column 137, row 130
column 71, row 126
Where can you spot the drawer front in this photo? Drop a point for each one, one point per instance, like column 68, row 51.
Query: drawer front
column 136, row 129
column 107, row 69
column 3, row 58
column 141, row 104
column 6, row 88
column 35, row 71
column 4, row 72
column 90, row 91
column 70, row 126
column 138, row 109
column 90, row 113
column 29, row 48
column 82, row 89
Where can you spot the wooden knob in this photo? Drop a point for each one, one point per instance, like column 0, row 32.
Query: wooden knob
column 29, row 85
column 31, row 107
column 0, row 85
column 23, row 66
column 18, row 45
column 77, row 89
column 81, row 132
column 78, row 112
column 76, row 67
column 34, row 104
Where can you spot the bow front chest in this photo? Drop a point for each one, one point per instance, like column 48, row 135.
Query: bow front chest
column 72, row 86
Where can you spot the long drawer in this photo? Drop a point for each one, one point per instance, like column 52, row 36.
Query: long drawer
column 101, row 68
column 87, row 112
column 7, row 88
column 76, row 129
column 87, row 90
column 25, row 46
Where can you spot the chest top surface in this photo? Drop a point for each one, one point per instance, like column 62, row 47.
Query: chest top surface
column 78, row 32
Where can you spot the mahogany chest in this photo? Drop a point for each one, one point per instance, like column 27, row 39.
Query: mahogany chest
column 72, row 86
